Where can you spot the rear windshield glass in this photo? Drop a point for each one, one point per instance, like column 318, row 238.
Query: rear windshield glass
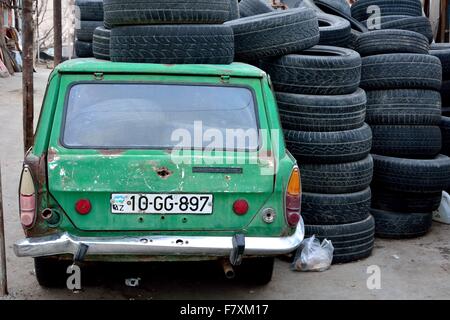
column 156, row 115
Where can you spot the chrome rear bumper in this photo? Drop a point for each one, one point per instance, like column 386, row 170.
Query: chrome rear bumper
column 155, row 245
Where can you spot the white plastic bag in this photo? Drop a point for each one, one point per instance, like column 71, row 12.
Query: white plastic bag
column 313, row 255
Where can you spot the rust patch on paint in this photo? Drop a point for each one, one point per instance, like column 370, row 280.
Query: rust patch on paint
column 111, row 152
column 163, row 172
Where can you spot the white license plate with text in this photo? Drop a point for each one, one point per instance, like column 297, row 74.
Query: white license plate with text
column 162, row 203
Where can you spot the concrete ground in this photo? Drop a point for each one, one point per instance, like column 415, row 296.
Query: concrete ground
column 410, row 269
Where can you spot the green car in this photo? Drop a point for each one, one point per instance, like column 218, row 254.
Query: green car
column 152, row 162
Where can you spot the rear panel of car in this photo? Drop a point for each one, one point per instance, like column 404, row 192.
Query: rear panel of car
column 96, row 173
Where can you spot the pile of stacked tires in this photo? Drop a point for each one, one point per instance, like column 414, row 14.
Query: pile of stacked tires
column 442, row 51
column 322, row 111
column 402, row 83
column 160, row 31
column 89, row 17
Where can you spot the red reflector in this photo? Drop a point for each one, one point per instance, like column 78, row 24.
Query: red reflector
column 240, row 207
column 27, row 210
column 83, row 206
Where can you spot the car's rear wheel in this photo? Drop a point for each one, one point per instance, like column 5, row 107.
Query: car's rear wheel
column 257, row 271
column 51, row 272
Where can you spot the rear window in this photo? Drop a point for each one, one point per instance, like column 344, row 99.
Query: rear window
column 152, row 116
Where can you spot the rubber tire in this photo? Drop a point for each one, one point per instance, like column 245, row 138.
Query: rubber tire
column 334, row 31
column 395, row 225
column 331, row 209
column 443, row 54
column 274, row 34
column 51, row 272
column 411, row 175
column 351, row 242
column 321, row 70
column 391, row 41
column 405, row 202
column 138, row 12
column 387, row 8
column 325, row 7
column 173, row 44
column 255, row 271
column 322, row 113
column 401, row 71
column 445, row 93
column 83, row 49
column 234, row 10
column 329, row 147
column 445, row 131
column 414, row 142
column 417, row 24
column 86, row 30
column 248, row 8
column 337, row 178
column 403, row 107
column 90, row 10
column 101, row 43
column 340, row 5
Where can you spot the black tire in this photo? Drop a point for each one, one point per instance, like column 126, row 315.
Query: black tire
column 329, row 147
column 411, row 175
column 331, row 209
column 86, row 30
column 446, row 111
column 354, row 36
column 445, row 93
column 325, row 7
column 340, row 5
column 334, row 31
column 322, row 113
column 101, row 42
column 401, row 71
column 256, row 271
column 51, row 272
column 405, row 202
column 337, row 178
column 443, row 54
column 173, row 44
column 322, row 70
column 90, row 10
column 414, row 142
column 234, row 10
column 293, row 3
column 403, row 107
column 445, row 131
column 274, row 34
column 351, row 242
column 248, row 8
column 395, row 225
column 134, row 12
column 83, row 49
column 391, row 41
column 421, row 25
column 387, row 8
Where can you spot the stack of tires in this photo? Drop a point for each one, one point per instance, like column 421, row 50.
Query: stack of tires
column 89, row 17
column 322, row 111
column 398, row 14
column 442, row 51
column 402, row 82
column 171, row 32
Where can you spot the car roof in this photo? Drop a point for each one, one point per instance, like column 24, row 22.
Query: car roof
column 91, row 65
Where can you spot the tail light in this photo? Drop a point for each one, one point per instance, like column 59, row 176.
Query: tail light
column 27, row 198
column 83, row 206
column 293, row 198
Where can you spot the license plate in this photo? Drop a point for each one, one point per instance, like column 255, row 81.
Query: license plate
column 162, row 203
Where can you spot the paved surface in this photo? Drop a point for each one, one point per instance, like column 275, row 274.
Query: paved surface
column 413, row 269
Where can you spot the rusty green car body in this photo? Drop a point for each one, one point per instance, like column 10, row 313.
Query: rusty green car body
column 63, row 175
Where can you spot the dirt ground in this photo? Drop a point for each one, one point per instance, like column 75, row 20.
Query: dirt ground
column 411, row 269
